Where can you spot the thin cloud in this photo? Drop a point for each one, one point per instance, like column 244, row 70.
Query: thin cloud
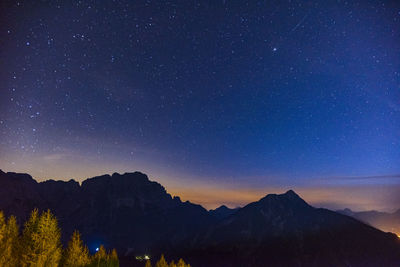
column 388, row 176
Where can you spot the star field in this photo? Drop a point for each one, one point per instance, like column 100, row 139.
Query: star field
column 246, row 93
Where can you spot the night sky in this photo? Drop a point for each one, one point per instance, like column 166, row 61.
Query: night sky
column 220, row 101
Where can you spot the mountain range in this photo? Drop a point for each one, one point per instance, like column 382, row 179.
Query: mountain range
column 137, row 216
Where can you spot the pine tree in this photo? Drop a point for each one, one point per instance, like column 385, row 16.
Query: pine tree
column 41, row 244
column 9, row 243
column 2, row 226
column 76, row 254
column 27, row 246
column 181, row 263
column 49, row 239
column 100, row 258
column 148, row 263
column 113, row 259
column 3, row 238
column 172, row 264
column 162, row 262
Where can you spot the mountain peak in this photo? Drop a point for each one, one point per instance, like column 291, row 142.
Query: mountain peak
column 21, row 177
column 131, row 175
column 291, row 193
column 222, row 207
column 288, row 199
column 222, row 212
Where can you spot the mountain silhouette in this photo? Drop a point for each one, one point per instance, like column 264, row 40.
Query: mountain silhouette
column 283, row 230
column 136, row 215
column 126, row 211
column 222, row 212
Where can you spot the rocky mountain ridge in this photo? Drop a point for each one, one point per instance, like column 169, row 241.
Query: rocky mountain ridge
column 136, row 215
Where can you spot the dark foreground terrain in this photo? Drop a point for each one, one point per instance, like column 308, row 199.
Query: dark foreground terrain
column 138, row 217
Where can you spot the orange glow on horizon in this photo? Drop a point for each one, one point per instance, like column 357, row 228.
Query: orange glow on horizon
column 214, row 192
column 332, row 197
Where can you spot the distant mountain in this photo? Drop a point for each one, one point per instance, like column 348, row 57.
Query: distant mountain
column 137, row 216
column 388, row 222
column 283, row 230
column 222, row 212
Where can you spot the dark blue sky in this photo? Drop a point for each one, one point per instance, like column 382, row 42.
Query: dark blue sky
column 246, row 93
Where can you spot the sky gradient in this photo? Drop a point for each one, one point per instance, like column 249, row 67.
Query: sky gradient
column 220, row 101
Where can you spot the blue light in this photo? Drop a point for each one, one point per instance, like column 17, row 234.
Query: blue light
column 97, row 249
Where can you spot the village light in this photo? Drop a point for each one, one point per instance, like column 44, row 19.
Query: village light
column 143, row 257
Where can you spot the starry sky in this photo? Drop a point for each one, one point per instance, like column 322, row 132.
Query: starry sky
column 220, row 101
